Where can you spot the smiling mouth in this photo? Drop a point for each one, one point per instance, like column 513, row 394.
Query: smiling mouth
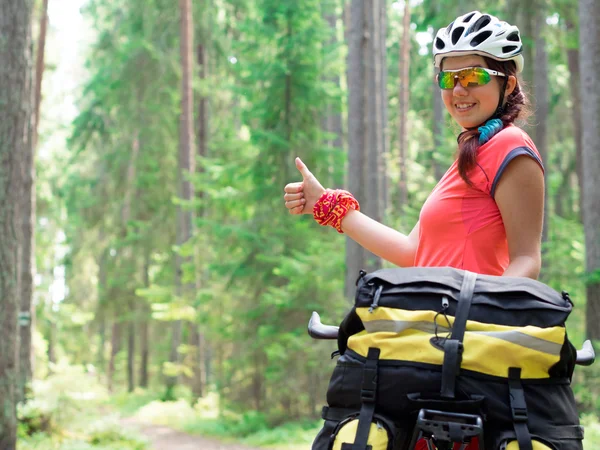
column 464, row 106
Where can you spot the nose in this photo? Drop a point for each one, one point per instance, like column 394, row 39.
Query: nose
column 459, row 90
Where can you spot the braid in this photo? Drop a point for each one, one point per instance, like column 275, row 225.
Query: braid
column 469, row 141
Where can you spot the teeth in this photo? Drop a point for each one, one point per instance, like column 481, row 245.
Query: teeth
column 464, row 105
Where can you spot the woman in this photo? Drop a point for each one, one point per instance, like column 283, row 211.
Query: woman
column 485, row 214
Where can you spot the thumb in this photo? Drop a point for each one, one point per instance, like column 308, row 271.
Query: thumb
column 302, row 168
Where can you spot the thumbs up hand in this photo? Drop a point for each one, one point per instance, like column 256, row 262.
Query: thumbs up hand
column 300, row 197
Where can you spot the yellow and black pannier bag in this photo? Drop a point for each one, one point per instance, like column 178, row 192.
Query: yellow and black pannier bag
column 451, row 340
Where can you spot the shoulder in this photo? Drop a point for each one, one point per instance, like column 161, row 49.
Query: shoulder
column 508, row 139
column 506, row 146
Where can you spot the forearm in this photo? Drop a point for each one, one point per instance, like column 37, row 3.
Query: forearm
column 380, row 239
column 524, row 266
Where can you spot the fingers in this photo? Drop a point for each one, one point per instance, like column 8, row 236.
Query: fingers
column 293, row 188
column 302, row 168
column 290, row 197
column 297, row 210
column 295, row 206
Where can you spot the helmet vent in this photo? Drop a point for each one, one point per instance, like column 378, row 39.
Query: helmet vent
column 480, row 38
column 481, row 23
column 509, row 48
column 456, row 34
column 469, row 17
column 514, row 36
column 449, row 27
column 439, row 44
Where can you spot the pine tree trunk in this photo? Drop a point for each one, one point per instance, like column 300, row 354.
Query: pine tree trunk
column 528, row 27
column 51, row 338
column 186, row 166
column 373, row 206
column 16, row 95
column 403, row 98
column 332, row 121
column 199, row 380
column 542, row 100
column 131, row 351
column 128, row 258
column 100, row 360
column 385, row 138
column 144, row 327
column 27, row 312
column 575, row 86
column 438, row 130
column 589, row 42
column 355, row 254
column 101, row 311
column 115, row 347
column 203, row 124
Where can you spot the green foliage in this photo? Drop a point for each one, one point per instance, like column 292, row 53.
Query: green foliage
column 255, row 273
column 64, row 414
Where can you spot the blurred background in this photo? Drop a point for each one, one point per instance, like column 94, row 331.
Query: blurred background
column 171, row 286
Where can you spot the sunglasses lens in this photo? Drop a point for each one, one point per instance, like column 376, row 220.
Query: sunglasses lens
column 467, row 78
column 446, row 80
column 474, row 77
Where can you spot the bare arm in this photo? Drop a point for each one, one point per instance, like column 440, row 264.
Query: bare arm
column 382, row 240
column 520, row 198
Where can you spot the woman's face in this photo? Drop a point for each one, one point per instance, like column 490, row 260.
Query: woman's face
column 473, row 105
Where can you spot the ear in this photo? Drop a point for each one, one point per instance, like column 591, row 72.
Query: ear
column 510, row 85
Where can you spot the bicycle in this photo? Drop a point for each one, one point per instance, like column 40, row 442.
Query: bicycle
column 440, row 427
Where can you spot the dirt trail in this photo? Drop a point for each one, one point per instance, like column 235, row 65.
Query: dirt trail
column 164, row 438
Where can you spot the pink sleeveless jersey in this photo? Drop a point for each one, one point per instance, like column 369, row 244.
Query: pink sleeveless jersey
column 461, row 226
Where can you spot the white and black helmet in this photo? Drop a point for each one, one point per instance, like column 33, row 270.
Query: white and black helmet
column 479, row 34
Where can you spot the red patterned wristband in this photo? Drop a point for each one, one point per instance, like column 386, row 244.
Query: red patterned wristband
column 333, row 206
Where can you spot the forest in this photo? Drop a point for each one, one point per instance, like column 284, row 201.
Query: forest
column 150, row 274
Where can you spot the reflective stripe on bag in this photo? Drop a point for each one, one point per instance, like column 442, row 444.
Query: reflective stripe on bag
column 406, row 336
column 379, row 438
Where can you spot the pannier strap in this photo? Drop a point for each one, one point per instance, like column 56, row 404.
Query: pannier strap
column 368, row 394
column 518, row 408
column 453, row 347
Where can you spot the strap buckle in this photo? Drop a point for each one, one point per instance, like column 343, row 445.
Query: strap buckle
column 517, row 405
column 368, row 389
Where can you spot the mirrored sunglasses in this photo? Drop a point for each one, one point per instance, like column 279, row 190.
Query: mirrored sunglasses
column 469, row 77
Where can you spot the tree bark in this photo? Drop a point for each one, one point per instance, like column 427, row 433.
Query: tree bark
column 131, row 349
column 403, row 99
column 385, row 138
column 575, row 86
column 199, row 380
column 589, row 39
column 186, row 167
column 355, row 254
column 542, row 101
column 115, row 347
column 16, row 97
column 438, row 130
column 203, row 124
column 27, row 312
column 144, row 327
column 332, row 122
column 128, row 257
column 374, row 138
